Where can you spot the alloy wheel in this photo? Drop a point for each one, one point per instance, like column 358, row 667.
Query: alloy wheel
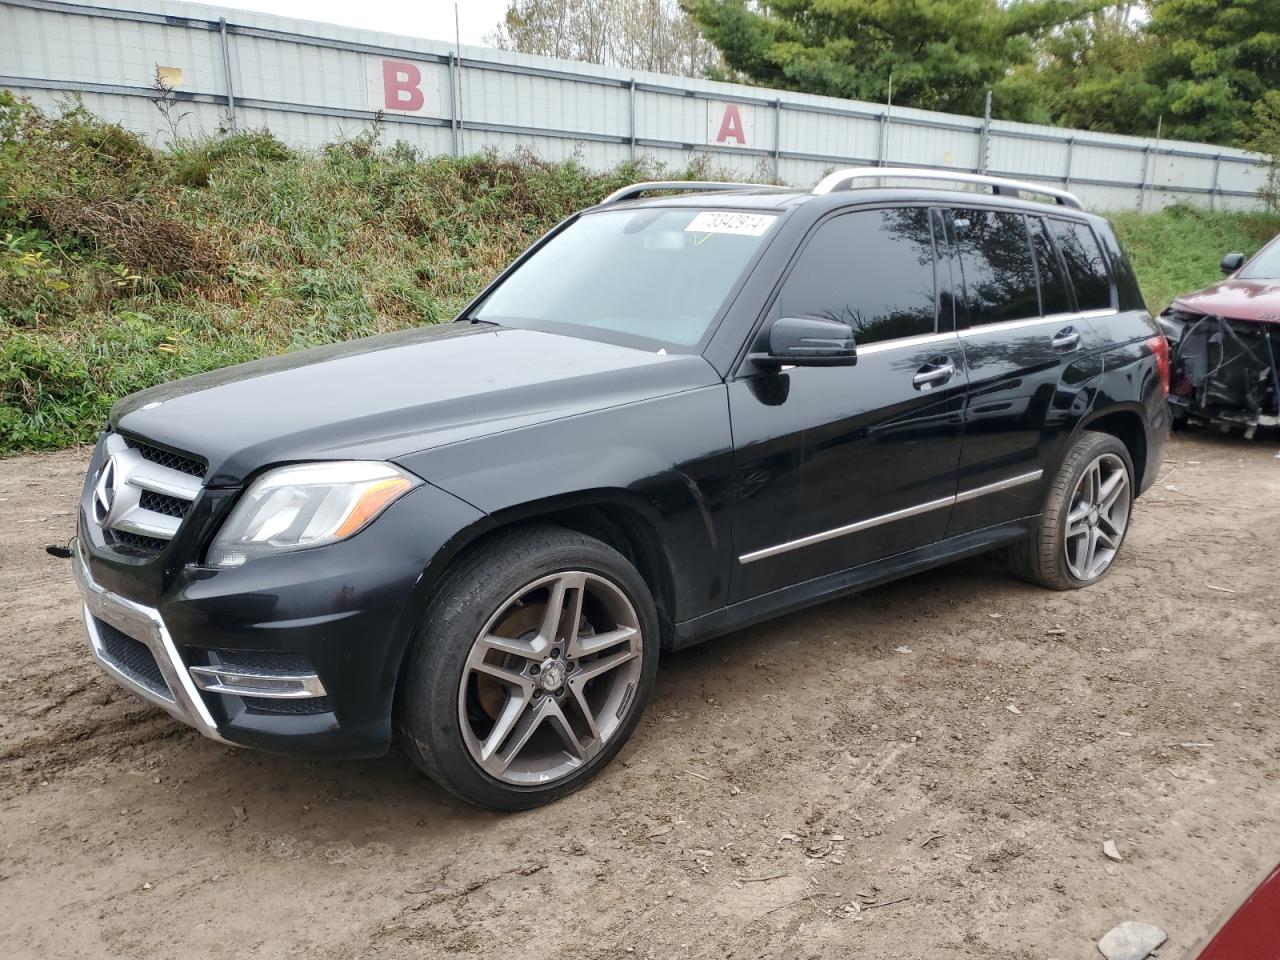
column 551, row 678
column 1098, row 517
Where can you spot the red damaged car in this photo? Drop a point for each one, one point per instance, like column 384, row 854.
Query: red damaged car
column 1251, row 931
column 1225, row 346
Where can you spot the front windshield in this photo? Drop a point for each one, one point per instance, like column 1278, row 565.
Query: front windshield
column 1265, row 266
column 655, row 277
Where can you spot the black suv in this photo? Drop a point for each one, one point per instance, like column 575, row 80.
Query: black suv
column 670, row 418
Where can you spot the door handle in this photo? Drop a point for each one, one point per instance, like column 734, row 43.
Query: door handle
column 1066, row 339
column 934, row 374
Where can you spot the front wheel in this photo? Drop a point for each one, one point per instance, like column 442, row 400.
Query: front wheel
column 529, row 670
column 1084, row 519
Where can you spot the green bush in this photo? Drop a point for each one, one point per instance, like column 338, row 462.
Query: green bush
column 122, row 266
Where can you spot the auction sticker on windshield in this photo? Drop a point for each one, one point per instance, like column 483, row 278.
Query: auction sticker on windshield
column 727, row 221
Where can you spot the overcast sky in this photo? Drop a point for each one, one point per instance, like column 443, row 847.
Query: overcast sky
column 432, row 19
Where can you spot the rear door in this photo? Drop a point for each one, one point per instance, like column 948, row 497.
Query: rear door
column 1032, row 358
column 838, row 466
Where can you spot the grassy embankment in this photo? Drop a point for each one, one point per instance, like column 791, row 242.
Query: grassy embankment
column 123, row 266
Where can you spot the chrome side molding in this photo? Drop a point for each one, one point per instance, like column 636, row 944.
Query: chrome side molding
column 973, row 494
column 961, row 497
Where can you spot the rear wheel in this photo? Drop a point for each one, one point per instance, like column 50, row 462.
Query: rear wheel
column 1084, row 519
column 530, row 669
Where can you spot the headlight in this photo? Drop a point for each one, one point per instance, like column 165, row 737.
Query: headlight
column 307, row 505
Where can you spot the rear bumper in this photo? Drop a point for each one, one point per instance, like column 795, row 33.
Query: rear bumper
column 1157, row 425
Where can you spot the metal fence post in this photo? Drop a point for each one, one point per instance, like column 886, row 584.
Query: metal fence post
column 777, row 137
column 1213, row 191
column 1071, row 149
column 984, row 139
column 1146, row 171
column 226, row 72
column 632, row 85
column 882, row 150
column 453, row 104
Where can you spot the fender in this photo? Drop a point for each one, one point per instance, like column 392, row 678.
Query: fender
column 1129, row 402
column 666, row 460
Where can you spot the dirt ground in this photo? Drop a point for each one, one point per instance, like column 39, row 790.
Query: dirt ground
column 927, row 770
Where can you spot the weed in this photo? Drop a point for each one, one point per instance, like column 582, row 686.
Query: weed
column 1179, row 248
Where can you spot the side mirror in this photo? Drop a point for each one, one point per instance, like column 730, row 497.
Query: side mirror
column 1232, row 262
column 809, row 342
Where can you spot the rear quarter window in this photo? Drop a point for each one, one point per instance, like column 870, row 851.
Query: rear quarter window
column 1054, row 296
column 1086, row 266
column 1128, row 292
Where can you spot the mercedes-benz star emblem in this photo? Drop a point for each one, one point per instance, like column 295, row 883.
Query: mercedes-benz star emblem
column 104, row 492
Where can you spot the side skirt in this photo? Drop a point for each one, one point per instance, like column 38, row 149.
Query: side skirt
column 846, row 582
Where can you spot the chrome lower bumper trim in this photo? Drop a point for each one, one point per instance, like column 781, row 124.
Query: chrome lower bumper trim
column 143, row 624
column 244, row 683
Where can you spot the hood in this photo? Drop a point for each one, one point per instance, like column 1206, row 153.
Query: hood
column 396, row 394
column 1257, row 300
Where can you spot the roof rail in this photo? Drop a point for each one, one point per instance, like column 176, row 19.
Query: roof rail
column 1001, row 186
column 698, row 186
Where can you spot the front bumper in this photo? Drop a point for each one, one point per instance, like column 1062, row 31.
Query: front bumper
column 297, row 654
column 165, row 681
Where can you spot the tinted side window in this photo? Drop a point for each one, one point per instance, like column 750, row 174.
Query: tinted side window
column 873, row 270
column 1085, row 264
column 1128, row 292
column 1054, row 297
column 999, row 275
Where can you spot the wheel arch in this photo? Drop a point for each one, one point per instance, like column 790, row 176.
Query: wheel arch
column 614, row 517
column 1127, row 423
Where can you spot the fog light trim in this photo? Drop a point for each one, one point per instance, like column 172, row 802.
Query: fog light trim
column 242, row 683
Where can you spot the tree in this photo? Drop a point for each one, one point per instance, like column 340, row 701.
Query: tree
column 636, row 34
column 1264, row 137
column 942, row 54
column 1092, row 74
column 1214, row 60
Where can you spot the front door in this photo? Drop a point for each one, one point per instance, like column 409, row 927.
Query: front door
column 838, row 466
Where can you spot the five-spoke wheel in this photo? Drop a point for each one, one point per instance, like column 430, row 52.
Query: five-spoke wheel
column 1098, row 517
column 1084, row 518
column 547, row 680
column 530, row 668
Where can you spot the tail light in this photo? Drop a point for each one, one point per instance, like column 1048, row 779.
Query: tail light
column 1160, row 347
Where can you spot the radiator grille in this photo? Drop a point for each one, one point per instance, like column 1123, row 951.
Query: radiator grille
column 163, row 503
column 166, row 458
column 141, row 495
column 135, row 544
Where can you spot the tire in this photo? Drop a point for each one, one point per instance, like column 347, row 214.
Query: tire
column 1051, row 557
column 483, row 668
